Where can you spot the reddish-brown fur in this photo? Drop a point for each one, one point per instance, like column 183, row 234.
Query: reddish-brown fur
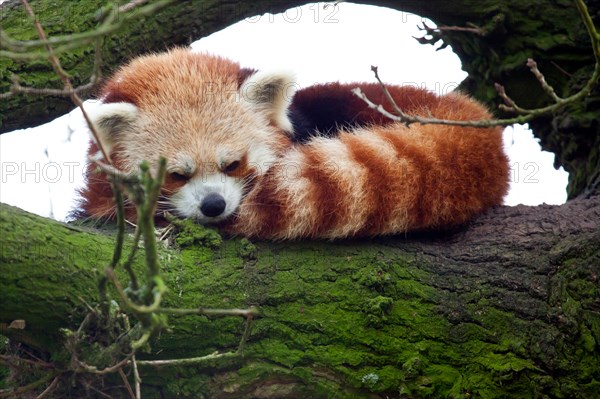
column 373, row 177
column 97, row 195
column 448, row 175
column 142, row 83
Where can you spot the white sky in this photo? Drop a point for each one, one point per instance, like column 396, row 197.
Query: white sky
column 41, row 167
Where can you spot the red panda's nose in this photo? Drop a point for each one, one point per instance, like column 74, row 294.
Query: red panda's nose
column 213, row 205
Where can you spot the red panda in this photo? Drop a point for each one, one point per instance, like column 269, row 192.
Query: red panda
column 249, row 154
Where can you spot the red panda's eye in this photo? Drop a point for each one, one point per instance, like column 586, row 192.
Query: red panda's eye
column 231, row 167
column 178, row 176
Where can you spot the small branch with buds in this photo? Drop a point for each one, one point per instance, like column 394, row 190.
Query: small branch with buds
column 525, row 115
column 471, row 28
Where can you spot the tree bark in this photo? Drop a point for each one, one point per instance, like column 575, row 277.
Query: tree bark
column 178, row 24
column 508, row 306
column 550, row 31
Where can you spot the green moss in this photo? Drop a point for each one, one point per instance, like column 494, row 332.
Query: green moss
column 345, row 320
column 377, row 309
column 4, row 370
column 56, row 248
column 503, row 363
column 247, row 251
column 279, row 352
column 189, row 233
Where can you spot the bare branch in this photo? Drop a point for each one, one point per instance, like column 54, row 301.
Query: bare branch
column 18, row 392
column 137, row 379
column 246, row 335
column 443, row 28
column 510, row 106
column 526, row 114
column 17, row 88
column 127, row 384
column 187, row 361
column 64, row 77
column 15, row 362
column 252, row 311
column 107, row 370
column 540, row 77
column 140, row 309
column 131, row 5
column 49, row 389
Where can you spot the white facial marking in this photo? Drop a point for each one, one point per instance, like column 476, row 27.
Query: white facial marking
column 183, row 164
column 188, row 200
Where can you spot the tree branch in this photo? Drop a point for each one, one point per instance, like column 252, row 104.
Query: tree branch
column 526, row 114
column 64, row 77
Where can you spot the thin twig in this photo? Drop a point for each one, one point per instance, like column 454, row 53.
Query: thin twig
column 64, row 77
column 127, row 384
column 112, row 24
column 167, row 230
column 100, row 392
column 136, row 378
column 136, row 374
column 85, row 322
column 141, row 309
column 16, row 392
column 15, row 360
column 131, row 5
column 49, row 389
column 120, row 239
column 17, row 88
column 443, row 28
column 135, row 345
column 83, row 367
column 408, row 119
column 526, row 114
column 97, row 70
column 246, row 335
column 145, row 220
column 509, row 104
column 190, row 361
column 210, row 312
column 540, row 77
column 129, row 262
column 115, row 174
column 561, row 69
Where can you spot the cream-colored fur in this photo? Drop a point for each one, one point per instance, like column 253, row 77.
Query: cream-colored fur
column 226, row 134
column 200, row 120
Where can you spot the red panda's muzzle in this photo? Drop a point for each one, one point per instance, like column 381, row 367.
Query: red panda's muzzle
column 213, row 205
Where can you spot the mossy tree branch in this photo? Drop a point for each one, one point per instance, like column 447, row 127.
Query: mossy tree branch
column 508, row 306
column 130, row 32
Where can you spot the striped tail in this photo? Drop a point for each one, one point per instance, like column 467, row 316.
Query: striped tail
column 381, row 180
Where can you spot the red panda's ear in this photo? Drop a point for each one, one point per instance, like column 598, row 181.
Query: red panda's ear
column 272, row 93
column 112, row 119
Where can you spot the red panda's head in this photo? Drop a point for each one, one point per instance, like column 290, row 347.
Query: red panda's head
column 218, row 125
